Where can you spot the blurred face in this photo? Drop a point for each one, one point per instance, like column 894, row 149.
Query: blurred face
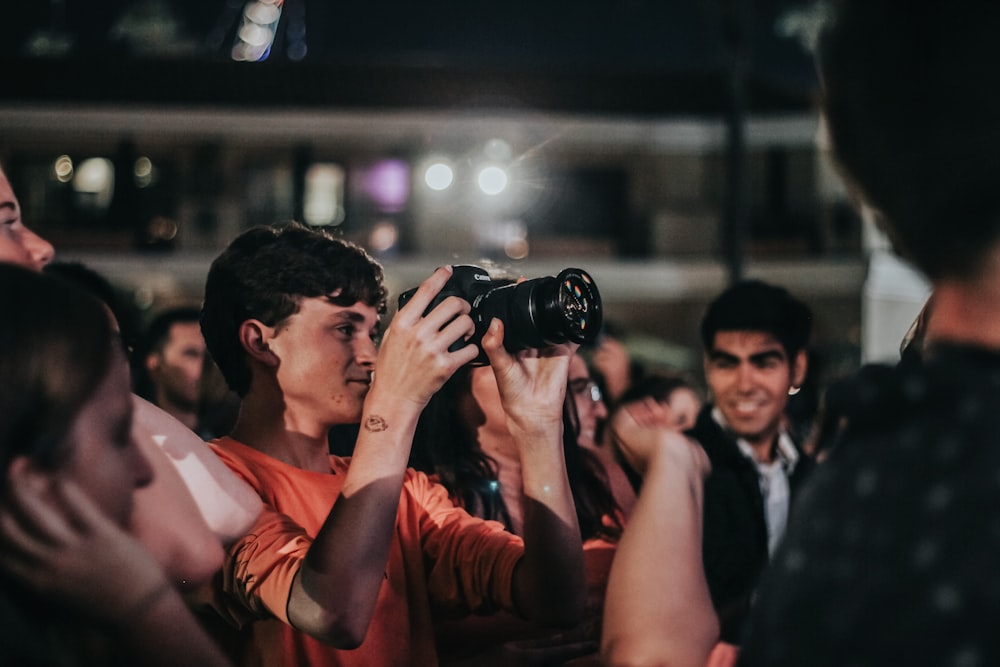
column 104, row 459
column 18, row 244
column 749, row 375
column 684, row 407
column 177, row 368
column 326, row 355
column 590, row 408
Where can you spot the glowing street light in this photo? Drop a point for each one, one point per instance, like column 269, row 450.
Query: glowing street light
column 439, row 176
column 492, row 180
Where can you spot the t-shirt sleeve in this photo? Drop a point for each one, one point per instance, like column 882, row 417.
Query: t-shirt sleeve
column 259, row 567
column 470, row 561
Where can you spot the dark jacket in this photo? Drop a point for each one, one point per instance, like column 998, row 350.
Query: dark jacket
column 734, row 545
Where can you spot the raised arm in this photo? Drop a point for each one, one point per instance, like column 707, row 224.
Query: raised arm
column 333, row 597
column 549, row 582
column 658, row 610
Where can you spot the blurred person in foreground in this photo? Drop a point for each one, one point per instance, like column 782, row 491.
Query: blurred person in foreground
column 891, row 558
column 194, row 504
column 77, row 589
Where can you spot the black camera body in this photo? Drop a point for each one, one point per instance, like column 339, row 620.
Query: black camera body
column 536, row 313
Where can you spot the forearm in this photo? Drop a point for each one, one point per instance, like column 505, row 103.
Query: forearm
column 333, row 597
column 161, row 630
column 658, row 609
column 550, row 585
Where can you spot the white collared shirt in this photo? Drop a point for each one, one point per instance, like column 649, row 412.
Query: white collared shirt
column 773, row 479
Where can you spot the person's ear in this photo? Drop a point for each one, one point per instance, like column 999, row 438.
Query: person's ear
column 799, row 368
column 255, row 337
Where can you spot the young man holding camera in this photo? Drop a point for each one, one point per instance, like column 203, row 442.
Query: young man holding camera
column 360, row 553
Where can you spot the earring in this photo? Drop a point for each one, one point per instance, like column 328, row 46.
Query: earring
column 794, row 390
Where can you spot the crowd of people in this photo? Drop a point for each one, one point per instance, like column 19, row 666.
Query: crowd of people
column 393, row 503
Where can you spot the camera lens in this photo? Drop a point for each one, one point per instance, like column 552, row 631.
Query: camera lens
column 580, row 305
column 546, row 311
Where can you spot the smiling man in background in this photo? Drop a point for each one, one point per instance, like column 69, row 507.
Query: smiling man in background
column 754, row 336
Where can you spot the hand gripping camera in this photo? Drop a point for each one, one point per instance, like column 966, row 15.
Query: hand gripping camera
column 536, row 313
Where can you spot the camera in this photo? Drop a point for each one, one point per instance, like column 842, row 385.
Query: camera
column 536, row 313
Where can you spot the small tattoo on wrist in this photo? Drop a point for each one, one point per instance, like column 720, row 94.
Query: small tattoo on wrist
column 374, row 423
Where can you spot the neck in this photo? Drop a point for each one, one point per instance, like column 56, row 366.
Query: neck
column 280, row 435
column 764, row 447
column 182, row 413
column 967, row 311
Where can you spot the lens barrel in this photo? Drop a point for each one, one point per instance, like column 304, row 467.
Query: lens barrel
column 536, row 313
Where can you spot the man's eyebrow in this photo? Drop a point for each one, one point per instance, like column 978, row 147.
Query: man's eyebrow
column 721, row 355
column 355, row 317
column 8, row 205
column 768, row 355
column 350, row 315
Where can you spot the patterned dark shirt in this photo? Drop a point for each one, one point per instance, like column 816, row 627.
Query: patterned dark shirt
column 892, row 556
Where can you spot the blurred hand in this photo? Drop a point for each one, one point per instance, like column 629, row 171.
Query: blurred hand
column 645, row 429
column 57, row 541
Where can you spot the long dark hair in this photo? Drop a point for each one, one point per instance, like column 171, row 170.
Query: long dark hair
column 445, row 445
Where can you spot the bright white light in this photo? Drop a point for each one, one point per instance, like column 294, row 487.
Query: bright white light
column 95, row 175
column 94, row 182
column 439, row 176
column 492, row 180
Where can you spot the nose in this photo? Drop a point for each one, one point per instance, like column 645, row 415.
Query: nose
column 365, row 353
column 600, row 409
column 744, row 378
column 40, row 250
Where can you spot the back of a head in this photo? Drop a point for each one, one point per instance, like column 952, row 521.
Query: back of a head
column 98, row 286
column 265, row 273
column 912, row 106
column 753, row 305
column 55, row 349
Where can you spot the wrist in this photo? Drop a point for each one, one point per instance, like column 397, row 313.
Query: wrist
column 386, row 400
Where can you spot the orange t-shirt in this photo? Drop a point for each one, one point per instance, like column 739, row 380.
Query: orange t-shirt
column 441, row 559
